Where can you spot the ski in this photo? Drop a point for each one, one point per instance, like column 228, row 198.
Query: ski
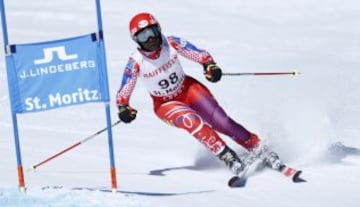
column 261, row 158
column 292, row 174
column 239, row 180
column 252, row 165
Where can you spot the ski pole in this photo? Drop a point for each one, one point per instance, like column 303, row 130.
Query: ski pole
column 295, row 72
column 71, row 147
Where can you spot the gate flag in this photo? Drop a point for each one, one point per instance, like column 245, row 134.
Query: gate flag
column 49, row 75
column 53, row 74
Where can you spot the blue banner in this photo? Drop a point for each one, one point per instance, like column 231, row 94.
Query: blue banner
column 54, row 74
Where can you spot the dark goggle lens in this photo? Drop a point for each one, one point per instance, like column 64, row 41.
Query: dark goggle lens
column 145, row 34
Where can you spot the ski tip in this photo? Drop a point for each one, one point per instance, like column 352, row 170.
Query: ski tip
column 296, row 177
column 237, row 182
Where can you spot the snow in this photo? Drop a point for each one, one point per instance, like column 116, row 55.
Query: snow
column 311, row 120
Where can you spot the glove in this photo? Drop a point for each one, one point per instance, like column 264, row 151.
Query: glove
column 212, row 72
column 126, row 113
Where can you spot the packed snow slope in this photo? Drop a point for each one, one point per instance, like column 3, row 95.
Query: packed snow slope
column 311, row 120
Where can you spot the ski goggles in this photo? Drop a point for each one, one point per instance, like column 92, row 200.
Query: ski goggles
column 144, row 35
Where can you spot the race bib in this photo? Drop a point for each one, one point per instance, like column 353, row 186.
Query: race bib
column 163, row 76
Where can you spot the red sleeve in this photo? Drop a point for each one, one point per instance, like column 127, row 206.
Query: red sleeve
column 129, row 79
column 190, row 51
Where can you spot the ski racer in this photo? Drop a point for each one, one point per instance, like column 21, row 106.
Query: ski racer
column 178, row 99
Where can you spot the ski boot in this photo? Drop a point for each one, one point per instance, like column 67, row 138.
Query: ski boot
column 256, row 153
column 260, row 151
column 232, row 160
column 255, row 149
column 270, row 158
column 273, row 160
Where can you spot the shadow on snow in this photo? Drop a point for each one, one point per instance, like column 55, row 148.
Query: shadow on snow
column 106, row 190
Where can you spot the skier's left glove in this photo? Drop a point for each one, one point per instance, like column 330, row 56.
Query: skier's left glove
column 212, row 72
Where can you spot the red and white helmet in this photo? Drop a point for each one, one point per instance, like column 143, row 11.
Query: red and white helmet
column 141, row 21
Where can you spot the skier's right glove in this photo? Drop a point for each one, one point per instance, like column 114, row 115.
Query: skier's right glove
column 126, row 113
column 212, row 72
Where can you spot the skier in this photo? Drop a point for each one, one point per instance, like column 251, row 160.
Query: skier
column 179, row 99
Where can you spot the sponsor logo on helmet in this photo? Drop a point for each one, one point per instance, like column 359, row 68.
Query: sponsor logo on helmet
column 143, row 23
